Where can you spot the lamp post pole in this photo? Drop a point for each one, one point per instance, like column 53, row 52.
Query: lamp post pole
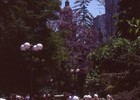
column 28, row 47
column 75, row 72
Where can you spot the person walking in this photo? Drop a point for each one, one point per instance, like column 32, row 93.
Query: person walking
column 74, row 96
column 95, row 97
column 27, row 97
column 109, row 97
column 87, row 97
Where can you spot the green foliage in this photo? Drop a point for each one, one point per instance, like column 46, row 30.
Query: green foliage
column 128, row 22
column 116, row 50
column 112, row 49
column 119, row 58
column 21, row 21
column 125, row 95
column 93, row 80
column 134, row 26
column 56, row 49
column 118, row 61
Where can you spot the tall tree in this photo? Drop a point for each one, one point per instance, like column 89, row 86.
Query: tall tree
column 86, row 35
column 21, row 21
column 67, row 28
column 83, row 16
column 127, row 12
column 115, row 64
column 86, row 38
column 76, row 27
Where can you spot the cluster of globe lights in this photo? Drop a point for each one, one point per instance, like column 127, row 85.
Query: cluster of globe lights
column 76, row 70
column 27, row 46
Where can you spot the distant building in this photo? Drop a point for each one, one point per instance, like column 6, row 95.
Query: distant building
column 110, row 11
column 65, row 18
column 66, row 14
column 100, row 27
column 105, row 24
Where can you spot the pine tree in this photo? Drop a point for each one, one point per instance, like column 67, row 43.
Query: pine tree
column 86, row 35
column 83, row 16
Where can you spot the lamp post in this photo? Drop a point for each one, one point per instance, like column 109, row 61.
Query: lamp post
column 75, row 71
column 29, row 47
